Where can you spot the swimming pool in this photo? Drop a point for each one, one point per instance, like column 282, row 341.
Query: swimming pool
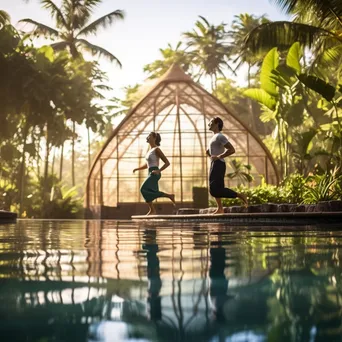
column 145, row 281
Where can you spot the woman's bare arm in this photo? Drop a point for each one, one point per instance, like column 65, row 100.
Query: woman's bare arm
column 143, row 167
column 161, row 155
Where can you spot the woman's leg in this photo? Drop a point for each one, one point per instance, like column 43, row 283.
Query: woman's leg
column 170, row 196
column 152, row 210
column 149, row 189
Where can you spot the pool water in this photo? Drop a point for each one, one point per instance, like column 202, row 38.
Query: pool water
column 132, row 281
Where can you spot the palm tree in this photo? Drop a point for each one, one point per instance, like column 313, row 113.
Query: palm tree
column 209, row 48
column 241, row 26
column 73, row 26
column 316, row 24
column 9, row 37
column 169, row 56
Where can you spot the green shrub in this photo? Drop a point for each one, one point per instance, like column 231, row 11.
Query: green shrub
column 67, row 205
column 325, row 187
column 294, row 189
column 264, row 193
column 60, row 202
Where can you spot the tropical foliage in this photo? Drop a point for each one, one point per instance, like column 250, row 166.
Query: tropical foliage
column 292, row 98
column 44, row 94
column 295, row 189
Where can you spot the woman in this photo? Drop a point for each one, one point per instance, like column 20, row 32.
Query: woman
column 149, row 189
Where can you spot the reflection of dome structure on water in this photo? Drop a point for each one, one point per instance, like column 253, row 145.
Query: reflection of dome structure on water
column 179, row 109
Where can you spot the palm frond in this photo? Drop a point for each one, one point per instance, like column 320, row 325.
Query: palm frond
column 323, row 9
column 40, row 29
column 98, row 50
column 104, row 22
column 283, row 34
column 179, row 44
column 59, row 46
column 205, row 20
column 4, row 18
column 103, row 87
column 77, row 14
column 327, row 57
column 230, row 68
column 99, row 96
column 91, row 4
column 55, row 12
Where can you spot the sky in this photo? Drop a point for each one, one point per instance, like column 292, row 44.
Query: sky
column 149, row 25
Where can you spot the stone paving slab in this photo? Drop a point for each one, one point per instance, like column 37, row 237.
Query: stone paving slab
column 271, row 218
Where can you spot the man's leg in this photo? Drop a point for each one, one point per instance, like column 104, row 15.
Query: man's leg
column 219, row 209
column 216, row 181
column 217, row 189
column 243, row 198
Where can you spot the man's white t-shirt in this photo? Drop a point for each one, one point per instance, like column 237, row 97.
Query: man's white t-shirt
column 216, row 144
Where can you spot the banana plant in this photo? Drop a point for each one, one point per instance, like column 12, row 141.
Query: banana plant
column 280, row 95
column 332, row 101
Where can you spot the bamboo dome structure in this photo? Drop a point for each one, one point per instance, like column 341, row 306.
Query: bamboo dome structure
column 179, row 109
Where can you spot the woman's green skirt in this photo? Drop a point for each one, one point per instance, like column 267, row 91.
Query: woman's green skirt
column 149, row 189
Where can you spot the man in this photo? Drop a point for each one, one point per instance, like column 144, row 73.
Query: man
column 220, row 148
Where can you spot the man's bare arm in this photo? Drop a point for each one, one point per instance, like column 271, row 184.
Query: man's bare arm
column 228, row 152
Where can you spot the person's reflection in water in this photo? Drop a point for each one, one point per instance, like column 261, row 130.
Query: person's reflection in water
column 218, row 283
column 153, row 275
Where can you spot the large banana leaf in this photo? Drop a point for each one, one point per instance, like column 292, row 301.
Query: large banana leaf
column 270, row 63
column 283, row 76
column 318, row 85
column 293, row 57
column 261, row 96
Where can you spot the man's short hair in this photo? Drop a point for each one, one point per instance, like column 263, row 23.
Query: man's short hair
column 219, row 122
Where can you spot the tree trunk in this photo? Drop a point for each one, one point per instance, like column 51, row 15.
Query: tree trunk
column 287, row 154
column 250, row 103
column 249, row 75
column 280, row 150
column 38, row 159
column 46, row 162
column 22, row 171
column 46, row 170
column 73, row 154
column 88, row 148
column 61, row 162
column 0, row 167
column 53, row 160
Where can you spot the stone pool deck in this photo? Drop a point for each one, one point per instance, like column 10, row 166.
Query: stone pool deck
column 251, row 218
column 7, row 216
column 268, row 214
